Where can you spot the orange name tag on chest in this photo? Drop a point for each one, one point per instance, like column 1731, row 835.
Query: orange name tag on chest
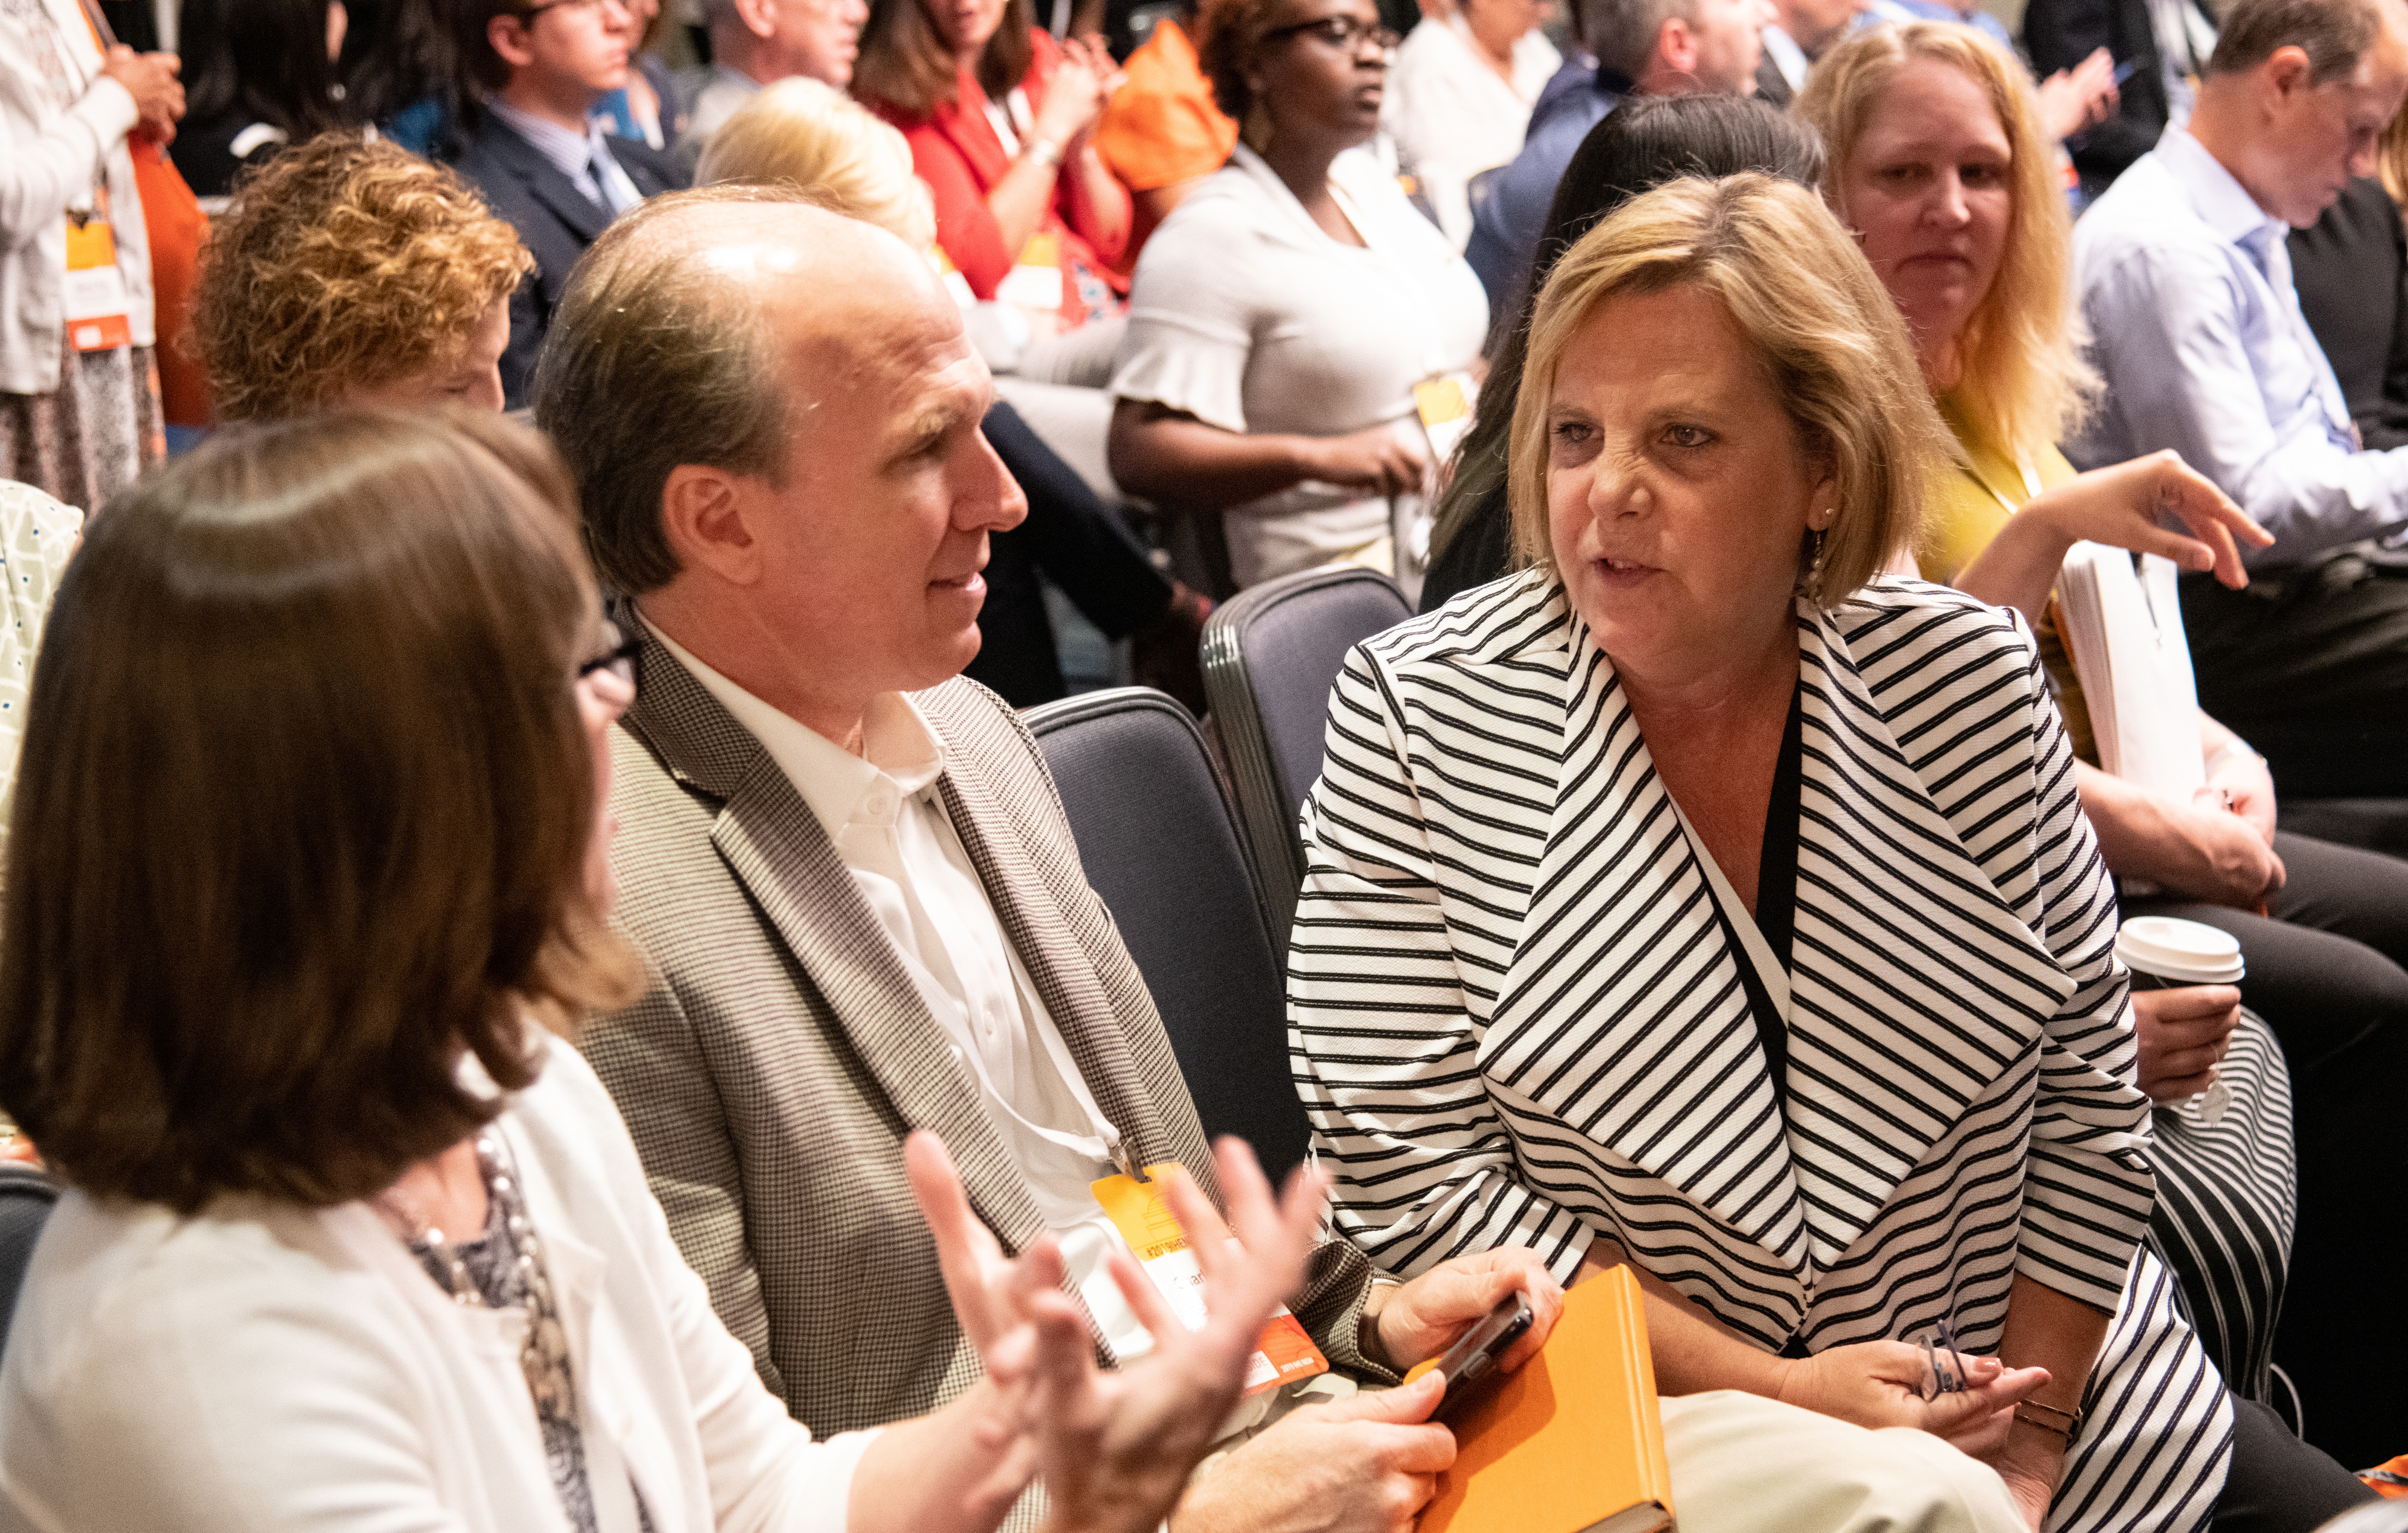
column 1282, row 1355
column 96, row 302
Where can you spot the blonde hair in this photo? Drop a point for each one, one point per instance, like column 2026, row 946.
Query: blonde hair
column 2024, row 383
column 1830, row 342
column 343, row 263
column 810, row 137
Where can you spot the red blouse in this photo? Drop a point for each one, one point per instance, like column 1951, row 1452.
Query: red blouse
column 956, row 150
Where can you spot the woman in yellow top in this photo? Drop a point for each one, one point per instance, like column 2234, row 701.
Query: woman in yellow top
column 1937, row 164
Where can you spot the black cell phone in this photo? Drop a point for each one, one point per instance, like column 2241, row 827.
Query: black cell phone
column 1473, row 1357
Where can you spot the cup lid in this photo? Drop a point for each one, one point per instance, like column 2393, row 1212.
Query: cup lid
column 2188, row 951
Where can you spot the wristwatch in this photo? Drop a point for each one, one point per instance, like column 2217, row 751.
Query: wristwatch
column 1045, row 152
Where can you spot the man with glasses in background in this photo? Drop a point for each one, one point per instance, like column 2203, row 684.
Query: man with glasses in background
column 537, row 156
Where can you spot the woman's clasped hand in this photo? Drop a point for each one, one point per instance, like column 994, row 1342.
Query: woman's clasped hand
column 1885, row 1384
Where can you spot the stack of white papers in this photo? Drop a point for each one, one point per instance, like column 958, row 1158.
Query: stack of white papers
column 2125, row 629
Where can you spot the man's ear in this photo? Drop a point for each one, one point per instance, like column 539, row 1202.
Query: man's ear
column 759, row 17
column 1676, row 44
column 2287, row 72
column 507, row 34
column 704, row 519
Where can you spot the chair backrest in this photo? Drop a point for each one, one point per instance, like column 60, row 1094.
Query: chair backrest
column 1161, row 846
column 26, row 1198
column 1271, row 654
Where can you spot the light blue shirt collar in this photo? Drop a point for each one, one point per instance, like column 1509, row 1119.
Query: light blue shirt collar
column 2222, row 203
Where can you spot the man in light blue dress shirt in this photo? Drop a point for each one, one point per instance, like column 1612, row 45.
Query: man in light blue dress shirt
column 2185, row 284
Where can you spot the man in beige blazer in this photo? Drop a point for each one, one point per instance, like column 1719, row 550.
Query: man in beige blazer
column 852, row 878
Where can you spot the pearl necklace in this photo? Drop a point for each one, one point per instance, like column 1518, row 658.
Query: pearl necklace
column 543, row 1356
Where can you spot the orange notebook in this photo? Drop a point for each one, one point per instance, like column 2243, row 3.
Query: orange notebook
column 1572, row 1444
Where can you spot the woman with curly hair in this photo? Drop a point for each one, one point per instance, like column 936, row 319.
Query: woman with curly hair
column 354, row 273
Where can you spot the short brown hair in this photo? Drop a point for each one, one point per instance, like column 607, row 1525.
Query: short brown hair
column 303, row 812
column 485, row 68
column 344, row 263
column 907, row 64
column 2334, row 33
column 653, row 359
column 1825, row 330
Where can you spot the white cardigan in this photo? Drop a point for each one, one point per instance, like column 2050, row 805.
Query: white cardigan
column 48, row 161
column 267, row 1367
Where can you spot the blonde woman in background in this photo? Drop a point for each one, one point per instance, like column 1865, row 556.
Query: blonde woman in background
column 815, row 138
column 805, row 135
column 1938, row 163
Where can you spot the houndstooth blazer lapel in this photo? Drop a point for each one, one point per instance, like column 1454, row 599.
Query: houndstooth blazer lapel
column 778, row 850
column 1031, row 894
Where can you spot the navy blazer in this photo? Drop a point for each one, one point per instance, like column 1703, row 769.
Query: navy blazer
column 555, row 219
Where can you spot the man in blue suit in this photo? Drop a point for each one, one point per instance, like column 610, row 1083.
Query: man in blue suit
column 1633, row 47
column 539, row 159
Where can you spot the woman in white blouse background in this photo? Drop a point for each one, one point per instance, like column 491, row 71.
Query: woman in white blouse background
column 1459, row 99
column 1281, row 316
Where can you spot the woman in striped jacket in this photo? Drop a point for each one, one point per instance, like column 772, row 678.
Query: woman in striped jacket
column 1695, row 898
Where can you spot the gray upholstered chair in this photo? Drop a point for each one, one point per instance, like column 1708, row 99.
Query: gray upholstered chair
column 1160, row 844
column 1272, row 654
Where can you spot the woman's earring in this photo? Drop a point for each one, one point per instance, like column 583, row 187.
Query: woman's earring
column 1257, row 130
column 1814, row 567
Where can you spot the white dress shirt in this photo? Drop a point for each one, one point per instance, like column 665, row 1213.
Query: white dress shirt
column 585, row 159
column 1786, row 56
column 882, row 811
column 2185, row 284
column 1453, row 115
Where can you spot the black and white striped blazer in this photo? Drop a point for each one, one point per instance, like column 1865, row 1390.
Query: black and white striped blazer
column 1517, row 1019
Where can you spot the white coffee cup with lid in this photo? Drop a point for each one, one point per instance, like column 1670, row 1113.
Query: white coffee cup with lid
column 2164, row 953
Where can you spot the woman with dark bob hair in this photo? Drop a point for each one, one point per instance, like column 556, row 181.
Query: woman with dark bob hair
column 1703, row 900
column 306, row 881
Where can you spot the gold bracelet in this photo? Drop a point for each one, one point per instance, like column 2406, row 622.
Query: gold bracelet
column 2035, row 1420
column 2071, row 1420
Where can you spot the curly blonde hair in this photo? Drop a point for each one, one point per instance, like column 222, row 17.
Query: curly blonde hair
column 343, row 263
column 2025, row 381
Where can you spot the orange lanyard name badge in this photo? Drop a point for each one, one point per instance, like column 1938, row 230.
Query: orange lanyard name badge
column 96, row 302
column 1283, row 1354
